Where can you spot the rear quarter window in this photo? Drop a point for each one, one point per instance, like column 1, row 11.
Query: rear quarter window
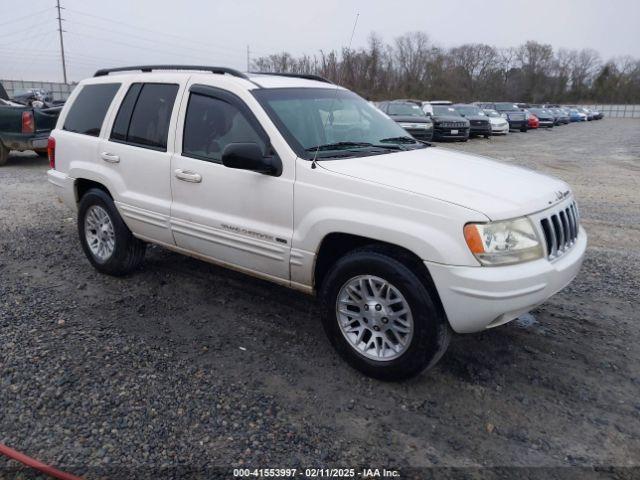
column 89, row 108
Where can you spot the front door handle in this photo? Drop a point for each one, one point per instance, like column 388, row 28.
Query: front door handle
column 110, row 157
column 188, row 176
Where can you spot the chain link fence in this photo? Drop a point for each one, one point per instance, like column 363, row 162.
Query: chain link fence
column 616, row 111
column 59, row 91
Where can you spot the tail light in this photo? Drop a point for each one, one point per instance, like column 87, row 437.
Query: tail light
column 28, row 125
column 51, row 152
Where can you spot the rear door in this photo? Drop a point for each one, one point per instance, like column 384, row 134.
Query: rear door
column 239, row 218
column 78, row 130
column 137, row 153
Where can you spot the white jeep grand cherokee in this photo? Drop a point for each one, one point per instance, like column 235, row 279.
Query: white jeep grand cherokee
column 301, row 182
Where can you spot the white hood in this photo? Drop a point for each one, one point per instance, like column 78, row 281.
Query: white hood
column 498, row 191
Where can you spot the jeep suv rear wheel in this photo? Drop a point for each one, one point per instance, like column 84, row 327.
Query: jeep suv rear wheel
column 106, row 240
column 380, row 316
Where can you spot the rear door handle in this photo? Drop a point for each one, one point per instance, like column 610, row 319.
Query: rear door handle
column 188, row 176
column 110, row 157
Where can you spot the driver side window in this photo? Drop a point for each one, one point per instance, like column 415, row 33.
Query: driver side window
column 211, row 124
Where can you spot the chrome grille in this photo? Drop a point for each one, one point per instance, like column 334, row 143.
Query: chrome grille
column 452, row 124
column 561, row 230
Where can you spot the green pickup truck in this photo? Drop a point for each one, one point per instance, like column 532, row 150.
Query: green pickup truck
column 24, row 128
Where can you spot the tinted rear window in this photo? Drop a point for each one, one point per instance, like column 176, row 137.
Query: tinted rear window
column 149, row 123
column 89, row 108
column 144, row 115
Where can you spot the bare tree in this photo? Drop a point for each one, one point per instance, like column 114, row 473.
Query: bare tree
column 413, row 66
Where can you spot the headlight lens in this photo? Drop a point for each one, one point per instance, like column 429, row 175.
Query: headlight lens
column 504, row 115
column 501, row 243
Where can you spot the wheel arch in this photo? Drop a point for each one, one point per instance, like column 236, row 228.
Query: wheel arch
column 83, row 185
column 335, row 245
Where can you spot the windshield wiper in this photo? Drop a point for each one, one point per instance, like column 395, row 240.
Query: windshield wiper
column 399, row 140
column 338, row 146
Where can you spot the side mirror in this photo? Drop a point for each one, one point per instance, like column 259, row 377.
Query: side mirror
column 249, row 156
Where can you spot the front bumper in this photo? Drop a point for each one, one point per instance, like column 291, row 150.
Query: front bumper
column 64, row 186
column 447, row 133
column 420, row 134
column 480, row 129
column 518, row 124
column 476, row 298
column 501, row 129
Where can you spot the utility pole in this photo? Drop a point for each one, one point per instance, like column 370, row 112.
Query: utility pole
column 248, row 59
column 64, row 65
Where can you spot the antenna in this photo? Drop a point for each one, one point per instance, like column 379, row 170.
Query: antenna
column 315, row 155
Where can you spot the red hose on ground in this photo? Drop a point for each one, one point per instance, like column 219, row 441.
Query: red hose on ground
column 33, row 463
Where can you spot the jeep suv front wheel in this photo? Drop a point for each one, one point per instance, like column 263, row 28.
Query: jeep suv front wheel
column 380, row 316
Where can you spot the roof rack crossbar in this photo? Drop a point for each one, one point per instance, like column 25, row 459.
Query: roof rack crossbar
column 148, row 68
column 306, row 76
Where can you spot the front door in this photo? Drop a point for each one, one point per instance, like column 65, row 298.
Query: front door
column 238, row 218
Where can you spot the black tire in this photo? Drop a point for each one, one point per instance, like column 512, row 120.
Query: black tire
column 4, row 154
column 524, row 129
column 128, row 252
column 431, row 329
column 487, row 136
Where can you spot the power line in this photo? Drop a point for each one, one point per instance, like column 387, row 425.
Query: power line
column 207, row 46
column 31, row 15
column 173, row 45
column 157, row 32
column 142, row 47
column 25, row 29
column 30, row 39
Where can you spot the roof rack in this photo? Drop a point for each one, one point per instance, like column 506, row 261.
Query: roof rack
column 306, row 76
column 148, row 68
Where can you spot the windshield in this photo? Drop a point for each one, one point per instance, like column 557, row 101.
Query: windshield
column 506, row 107
column 491, row 113
column 469, row 110
column 445, row 110
column 332, row 123
column 408, row 109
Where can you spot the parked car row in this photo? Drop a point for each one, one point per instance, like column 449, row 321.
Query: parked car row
column 443, row 120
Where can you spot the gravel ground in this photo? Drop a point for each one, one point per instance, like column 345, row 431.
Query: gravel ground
column 186, row 365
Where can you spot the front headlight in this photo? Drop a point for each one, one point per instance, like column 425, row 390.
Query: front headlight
column 504, row 115
column 501, row 243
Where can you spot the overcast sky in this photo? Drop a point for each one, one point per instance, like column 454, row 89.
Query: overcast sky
column 216, row 32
